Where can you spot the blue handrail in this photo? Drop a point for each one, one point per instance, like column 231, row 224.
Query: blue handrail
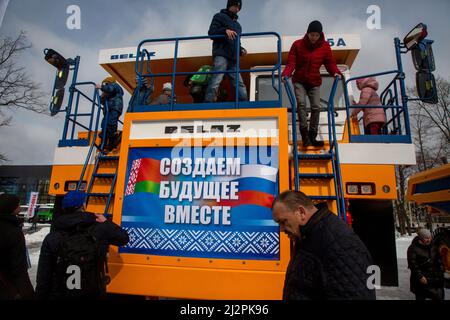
column 93, row 144
column 340, row 202
column 75, row 63
column 391, row 104
column 292, row 99
column 140, row 56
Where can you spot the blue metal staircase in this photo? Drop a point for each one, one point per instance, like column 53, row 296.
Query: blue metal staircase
column 110, row 178
column 101, row 156
column 331, row 156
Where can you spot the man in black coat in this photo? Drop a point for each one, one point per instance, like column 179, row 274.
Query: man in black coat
column 224, row 50
column 14, row 280
column 329, row 261
column 50, row 282
column 427, row 270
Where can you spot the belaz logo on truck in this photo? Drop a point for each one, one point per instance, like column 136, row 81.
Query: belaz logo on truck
column 215, row 128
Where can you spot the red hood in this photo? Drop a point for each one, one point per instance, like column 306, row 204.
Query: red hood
column 367, row 82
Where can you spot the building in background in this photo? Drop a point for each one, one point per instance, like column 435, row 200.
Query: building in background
column 21, row 180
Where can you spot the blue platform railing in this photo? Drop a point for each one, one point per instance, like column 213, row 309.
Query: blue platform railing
column 73, row 117
column 143, row 53
column 394, row 102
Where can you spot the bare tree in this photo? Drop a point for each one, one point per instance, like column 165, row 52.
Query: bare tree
column 404, row 221
column 439, row 114
column 430, row 125
column 430, row 128
column 17, row 90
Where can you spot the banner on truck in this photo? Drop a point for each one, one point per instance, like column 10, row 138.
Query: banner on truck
column 202, row 203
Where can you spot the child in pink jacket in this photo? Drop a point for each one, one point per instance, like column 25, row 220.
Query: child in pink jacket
column 374, row 118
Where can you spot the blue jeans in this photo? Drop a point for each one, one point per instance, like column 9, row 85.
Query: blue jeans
column 223, row 64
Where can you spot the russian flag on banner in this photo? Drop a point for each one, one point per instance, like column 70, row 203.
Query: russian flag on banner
column 257, row 186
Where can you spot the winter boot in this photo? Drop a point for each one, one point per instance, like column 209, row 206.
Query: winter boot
column 314, row 142
column 305, row 138
column 109, row 144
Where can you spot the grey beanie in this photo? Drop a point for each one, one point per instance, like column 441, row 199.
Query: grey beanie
column 424, row 234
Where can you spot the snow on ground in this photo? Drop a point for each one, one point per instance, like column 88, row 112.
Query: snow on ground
column 36, row 237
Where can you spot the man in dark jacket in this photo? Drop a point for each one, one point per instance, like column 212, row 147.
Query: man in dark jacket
column 427, row 271
column 14, row 280
column 306, row 57
column 51, row 283
column 329, row 261
column 224, row 49
column 112, row 98
column 142, row 95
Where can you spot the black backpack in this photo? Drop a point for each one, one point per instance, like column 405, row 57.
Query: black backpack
column 81, row 249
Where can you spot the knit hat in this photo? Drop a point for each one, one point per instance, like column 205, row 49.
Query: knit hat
column 424, row 234
column 8, row 203
column 231, row 3
column 74, row 199
column 109, row 80
column 315, row 26
column 167, row 86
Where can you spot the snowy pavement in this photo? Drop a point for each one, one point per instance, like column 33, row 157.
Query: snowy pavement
column 34, row 240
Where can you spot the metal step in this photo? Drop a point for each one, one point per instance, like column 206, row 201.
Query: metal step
column 316, row 176
column 99, row 195
column 104, row 175
column 108, row 158
column 305, row 156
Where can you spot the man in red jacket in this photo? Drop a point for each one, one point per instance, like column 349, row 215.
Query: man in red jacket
column 306, row 57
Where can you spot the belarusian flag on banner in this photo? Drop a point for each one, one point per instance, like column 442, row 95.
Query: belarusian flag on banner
column 144, row 176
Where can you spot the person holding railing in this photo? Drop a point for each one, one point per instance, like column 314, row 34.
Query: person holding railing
column 112, row 98
column 305, row 58
column 374, row 118
column 224, row 50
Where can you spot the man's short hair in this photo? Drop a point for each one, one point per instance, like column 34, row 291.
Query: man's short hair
column 292, row 199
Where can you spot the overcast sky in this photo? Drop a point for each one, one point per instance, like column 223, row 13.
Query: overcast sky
column 31, row 138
